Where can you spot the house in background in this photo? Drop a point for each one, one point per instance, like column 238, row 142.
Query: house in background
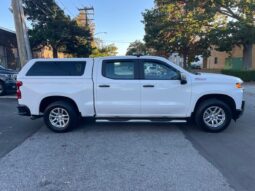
column 176, row 59
column 46, row 52
column 225, row 60
column 8, row 49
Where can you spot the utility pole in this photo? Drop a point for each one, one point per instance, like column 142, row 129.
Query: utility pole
column 21, row 32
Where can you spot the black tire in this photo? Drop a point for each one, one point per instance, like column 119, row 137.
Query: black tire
column 200, row 112
column 2, row 88
column 67, row 108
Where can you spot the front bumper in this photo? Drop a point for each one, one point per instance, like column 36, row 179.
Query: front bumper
column 23, row 110
column 239, row 113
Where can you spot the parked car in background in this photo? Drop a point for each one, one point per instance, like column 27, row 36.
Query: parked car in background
column 7, row 80
column 123, row 88
column 196, row 66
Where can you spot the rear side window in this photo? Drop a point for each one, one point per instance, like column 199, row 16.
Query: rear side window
column 57, row 68
column 119, row 70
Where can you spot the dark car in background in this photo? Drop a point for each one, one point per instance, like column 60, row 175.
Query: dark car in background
column 7, row 80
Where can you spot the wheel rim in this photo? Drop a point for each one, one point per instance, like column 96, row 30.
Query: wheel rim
column 59, row 117
column 214, row 116
column 1, row 88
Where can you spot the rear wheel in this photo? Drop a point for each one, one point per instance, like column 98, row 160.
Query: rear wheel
column 2, row 88
column 213, row 115
column 60, row 117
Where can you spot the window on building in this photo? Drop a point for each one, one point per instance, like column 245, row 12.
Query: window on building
column 57, row 68
column 3, row 56
column 216, row 60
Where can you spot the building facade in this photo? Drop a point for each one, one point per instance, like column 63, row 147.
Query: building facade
column 8, row 49
column 46, row 52
column 225, row 60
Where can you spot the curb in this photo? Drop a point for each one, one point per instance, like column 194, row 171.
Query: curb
column 7, row 97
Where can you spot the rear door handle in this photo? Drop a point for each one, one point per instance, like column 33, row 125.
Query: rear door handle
column 148, row 86
column 104, row 86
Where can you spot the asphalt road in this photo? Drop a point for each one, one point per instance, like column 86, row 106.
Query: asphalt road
column 14, row 129
column 126, row 156
column 231, row 151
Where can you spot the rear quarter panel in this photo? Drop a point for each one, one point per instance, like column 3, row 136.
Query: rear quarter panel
column 77, row 88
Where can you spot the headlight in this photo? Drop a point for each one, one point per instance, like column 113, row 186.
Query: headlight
column 239, row 85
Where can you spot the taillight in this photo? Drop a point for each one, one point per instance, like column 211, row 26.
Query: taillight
column 18, row 93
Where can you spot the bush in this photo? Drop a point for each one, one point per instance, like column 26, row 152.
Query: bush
column 246, row 76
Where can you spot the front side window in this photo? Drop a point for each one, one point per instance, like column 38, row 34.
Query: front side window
column 57, row 68
column 158, row 71
column 119, row 70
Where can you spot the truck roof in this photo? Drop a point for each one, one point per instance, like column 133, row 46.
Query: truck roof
column 108, row 57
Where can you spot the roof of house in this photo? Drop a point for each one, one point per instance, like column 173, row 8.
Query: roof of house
column 7, row 30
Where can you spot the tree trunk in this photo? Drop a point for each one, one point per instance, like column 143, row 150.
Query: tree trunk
column 185, row 64
column 247, row 56
column 55, row 52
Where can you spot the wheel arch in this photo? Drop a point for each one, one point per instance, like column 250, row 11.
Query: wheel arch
column 222, row 97
column 45, row 102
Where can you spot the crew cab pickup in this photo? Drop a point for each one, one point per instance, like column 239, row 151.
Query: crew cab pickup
column 124, row 88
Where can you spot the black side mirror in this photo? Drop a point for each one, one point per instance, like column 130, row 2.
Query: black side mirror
column 183, row 78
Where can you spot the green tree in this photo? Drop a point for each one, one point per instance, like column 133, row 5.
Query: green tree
column 170, row 27
column 51, row 27
column 239, row 29
column 137, row 47
column 101, row 50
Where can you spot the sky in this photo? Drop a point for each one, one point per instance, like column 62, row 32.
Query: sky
column 120, row 19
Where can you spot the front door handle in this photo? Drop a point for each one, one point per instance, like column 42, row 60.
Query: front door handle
column 148, row 86
column 104, row 86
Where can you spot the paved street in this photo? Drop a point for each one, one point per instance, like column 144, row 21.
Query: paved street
column 231, row 151
column 126, row 156
column 13, row 128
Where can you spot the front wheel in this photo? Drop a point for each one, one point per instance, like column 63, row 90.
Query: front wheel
column 213, row 115
column 60, row 117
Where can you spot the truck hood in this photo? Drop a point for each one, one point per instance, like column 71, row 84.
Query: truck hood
column 217, row 78
column 6, row 71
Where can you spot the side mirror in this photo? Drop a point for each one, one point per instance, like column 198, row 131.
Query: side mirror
column 183, row 78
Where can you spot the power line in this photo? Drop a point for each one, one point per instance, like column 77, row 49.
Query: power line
column 35, row 4
column 43, row 10
column 65, row 8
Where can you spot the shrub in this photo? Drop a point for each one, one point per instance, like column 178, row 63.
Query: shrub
column 246, row 76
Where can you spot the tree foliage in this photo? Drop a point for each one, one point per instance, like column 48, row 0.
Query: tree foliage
column 101, row 50
column 239, row 30
column 137, row 47
column 51, row 27
column 171, row 27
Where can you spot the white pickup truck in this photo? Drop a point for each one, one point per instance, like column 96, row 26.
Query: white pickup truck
column 124, row 88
